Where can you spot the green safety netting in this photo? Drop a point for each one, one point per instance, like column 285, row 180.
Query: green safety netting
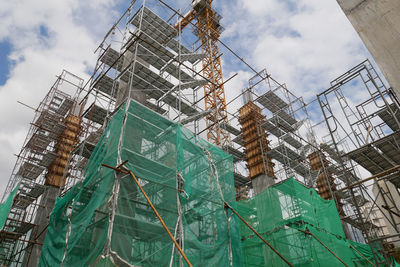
column 179, row 173
column 279, row 212
column 5, row 207
column 187, row 179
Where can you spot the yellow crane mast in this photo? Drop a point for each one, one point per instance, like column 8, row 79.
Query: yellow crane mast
column 208, row 32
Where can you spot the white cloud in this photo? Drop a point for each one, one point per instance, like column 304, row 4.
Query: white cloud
column 74, row 29
column 303, row 43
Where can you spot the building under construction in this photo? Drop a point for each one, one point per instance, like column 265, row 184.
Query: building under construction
column 144, row 165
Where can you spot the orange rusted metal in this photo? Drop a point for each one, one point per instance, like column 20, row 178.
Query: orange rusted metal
column 65, row 144
column 325, row 180
column 208, row 32
column 255, row 141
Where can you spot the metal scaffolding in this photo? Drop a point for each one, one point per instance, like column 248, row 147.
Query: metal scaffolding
column 154, row 67
column 364, row 138
column 30, row 176
column 288, row 122
column 145, row 58
column 141, row 57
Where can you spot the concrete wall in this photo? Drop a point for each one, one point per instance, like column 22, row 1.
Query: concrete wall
column 374, row 215
column 388, row 195
column 378, row 24
column 123, row 89
column 262, row 182
column 42, row 220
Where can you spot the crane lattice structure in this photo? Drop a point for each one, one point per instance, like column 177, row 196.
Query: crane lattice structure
column 208, row 30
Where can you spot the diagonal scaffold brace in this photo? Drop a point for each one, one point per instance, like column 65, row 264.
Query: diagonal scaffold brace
column 307, row 232
column 362, row 255
column 129, row 172
column 258, row 235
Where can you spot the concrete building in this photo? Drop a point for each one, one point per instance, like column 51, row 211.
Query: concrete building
column 388, row 196
column 378, row 24
column 372, row 214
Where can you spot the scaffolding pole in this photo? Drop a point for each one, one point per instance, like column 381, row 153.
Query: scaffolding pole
column 152, row 207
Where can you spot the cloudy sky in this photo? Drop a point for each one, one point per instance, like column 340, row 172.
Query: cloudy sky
column 304, row 43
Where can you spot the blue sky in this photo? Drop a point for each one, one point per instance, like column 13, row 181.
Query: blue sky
column 304, row 43
column 5, row 63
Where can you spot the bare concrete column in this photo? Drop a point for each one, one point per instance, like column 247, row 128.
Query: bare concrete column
column 378, row 24
column 47, row 202
column 124, row 89
column 262, row 182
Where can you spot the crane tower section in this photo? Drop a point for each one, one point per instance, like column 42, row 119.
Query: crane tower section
column 208, row 30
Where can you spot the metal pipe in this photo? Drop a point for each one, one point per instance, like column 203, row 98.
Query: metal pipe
column 254, row 231
column 342, row 164
column 388, row 209
column 153, row 208
column 307, row 232
column 109, row 68
column 385, row 237
column 384, row 173
column 362, row 255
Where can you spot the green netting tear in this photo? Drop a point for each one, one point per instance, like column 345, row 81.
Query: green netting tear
column 106, row 221
column 278, row 213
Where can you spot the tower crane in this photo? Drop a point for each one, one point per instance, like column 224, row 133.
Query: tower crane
column 208, row 30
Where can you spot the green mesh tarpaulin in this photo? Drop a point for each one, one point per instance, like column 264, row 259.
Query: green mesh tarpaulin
column 106, row 221
column 278, row 213
column 6, row 206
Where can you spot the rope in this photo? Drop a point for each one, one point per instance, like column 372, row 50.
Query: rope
column 214, row 173
column 154, row 210
column 67, row 236
column 179, row 184
column 112, row 205
column 173, row 246
column 226, row 205
column 259, row 236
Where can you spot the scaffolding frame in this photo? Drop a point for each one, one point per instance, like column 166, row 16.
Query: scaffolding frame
column 154, row 68
column 287, row 121
column 164, row 70
column 156, row 53
column 20, row 232
column 144, row 58
column 364, row 135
